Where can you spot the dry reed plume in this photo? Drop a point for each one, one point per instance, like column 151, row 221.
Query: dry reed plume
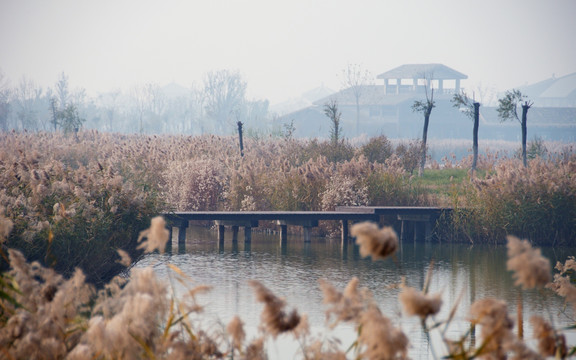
column 550, row 343
column 417, row 303
column 274, row 319
column 375, row 242
column 530, row 268
column 563, row 283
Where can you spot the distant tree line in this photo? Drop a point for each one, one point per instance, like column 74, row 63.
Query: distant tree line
column 213, row 107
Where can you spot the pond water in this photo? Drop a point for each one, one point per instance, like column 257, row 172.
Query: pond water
column 468, row 272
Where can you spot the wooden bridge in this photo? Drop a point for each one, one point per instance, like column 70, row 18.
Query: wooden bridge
column 418, row 222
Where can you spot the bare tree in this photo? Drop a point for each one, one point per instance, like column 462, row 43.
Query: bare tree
column 356, row 79
column 471, row 108
column 425, row 107
column 62, row 95
column 224, row 93
column 27, row 96
column 508, row 110
column 196, row 106
column 110, row 103
column 143, row 103
column 5, row 93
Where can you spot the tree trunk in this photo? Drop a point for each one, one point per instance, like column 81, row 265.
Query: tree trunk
column 424, row 139
column 357, row 117
column 525, row 108
column 475, row 136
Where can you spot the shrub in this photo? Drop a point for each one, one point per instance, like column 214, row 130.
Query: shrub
column 538, row 202
column 409, row 153
column 378, row 149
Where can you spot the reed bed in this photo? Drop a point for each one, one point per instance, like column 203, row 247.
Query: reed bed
column 92, row 192
column 72, row 210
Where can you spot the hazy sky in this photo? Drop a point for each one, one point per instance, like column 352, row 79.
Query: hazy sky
column 282, row 48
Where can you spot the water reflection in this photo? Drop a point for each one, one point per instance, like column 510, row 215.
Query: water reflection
column 292, row 271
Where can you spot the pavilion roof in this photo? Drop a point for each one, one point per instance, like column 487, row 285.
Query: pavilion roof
column 421, row 71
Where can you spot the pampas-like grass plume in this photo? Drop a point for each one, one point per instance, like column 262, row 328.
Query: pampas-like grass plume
column 375, row 242
column 274, row 319
column 549, row 342
column 236, row 330
column 562, row 284
column 416, row 302
column 496, row 325
column 530, row 268
column 347, row 305
column 379, row 338
column 156, row 236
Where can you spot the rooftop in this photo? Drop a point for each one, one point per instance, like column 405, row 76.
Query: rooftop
column 421, row 71
column 562, row 87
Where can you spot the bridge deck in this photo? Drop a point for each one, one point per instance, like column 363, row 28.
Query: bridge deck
column 342, row 213
column 367, row 214
column 426, row 216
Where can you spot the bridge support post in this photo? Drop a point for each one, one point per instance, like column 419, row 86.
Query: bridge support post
column 248, row 225
column 344, row 230
column 283, row 234
column 421, row 226
column 170, row 235
column 221, row 230
column 182, row 237
column 307, row 225
column 428, row 234
column 307, row 233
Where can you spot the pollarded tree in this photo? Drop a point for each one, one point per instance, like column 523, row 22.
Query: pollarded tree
column 332, row 112
column 471, row 109
column 337, row 150
column 425, row 107
column 508, row 110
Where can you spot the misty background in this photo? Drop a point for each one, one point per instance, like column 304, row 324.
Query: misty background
column 198, row 67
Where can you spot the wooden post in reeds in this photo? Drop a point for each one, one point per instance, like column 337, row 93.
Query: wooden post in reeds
column 475, row 136
column 239, row 123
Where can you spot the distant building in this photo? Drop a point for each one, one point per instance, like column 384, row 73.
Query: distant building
column 413, row 79
column 386, row 108
column 553, row 92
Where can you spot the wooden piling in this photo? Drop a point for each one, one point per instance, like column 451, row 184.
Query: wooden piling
column 344, row 231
